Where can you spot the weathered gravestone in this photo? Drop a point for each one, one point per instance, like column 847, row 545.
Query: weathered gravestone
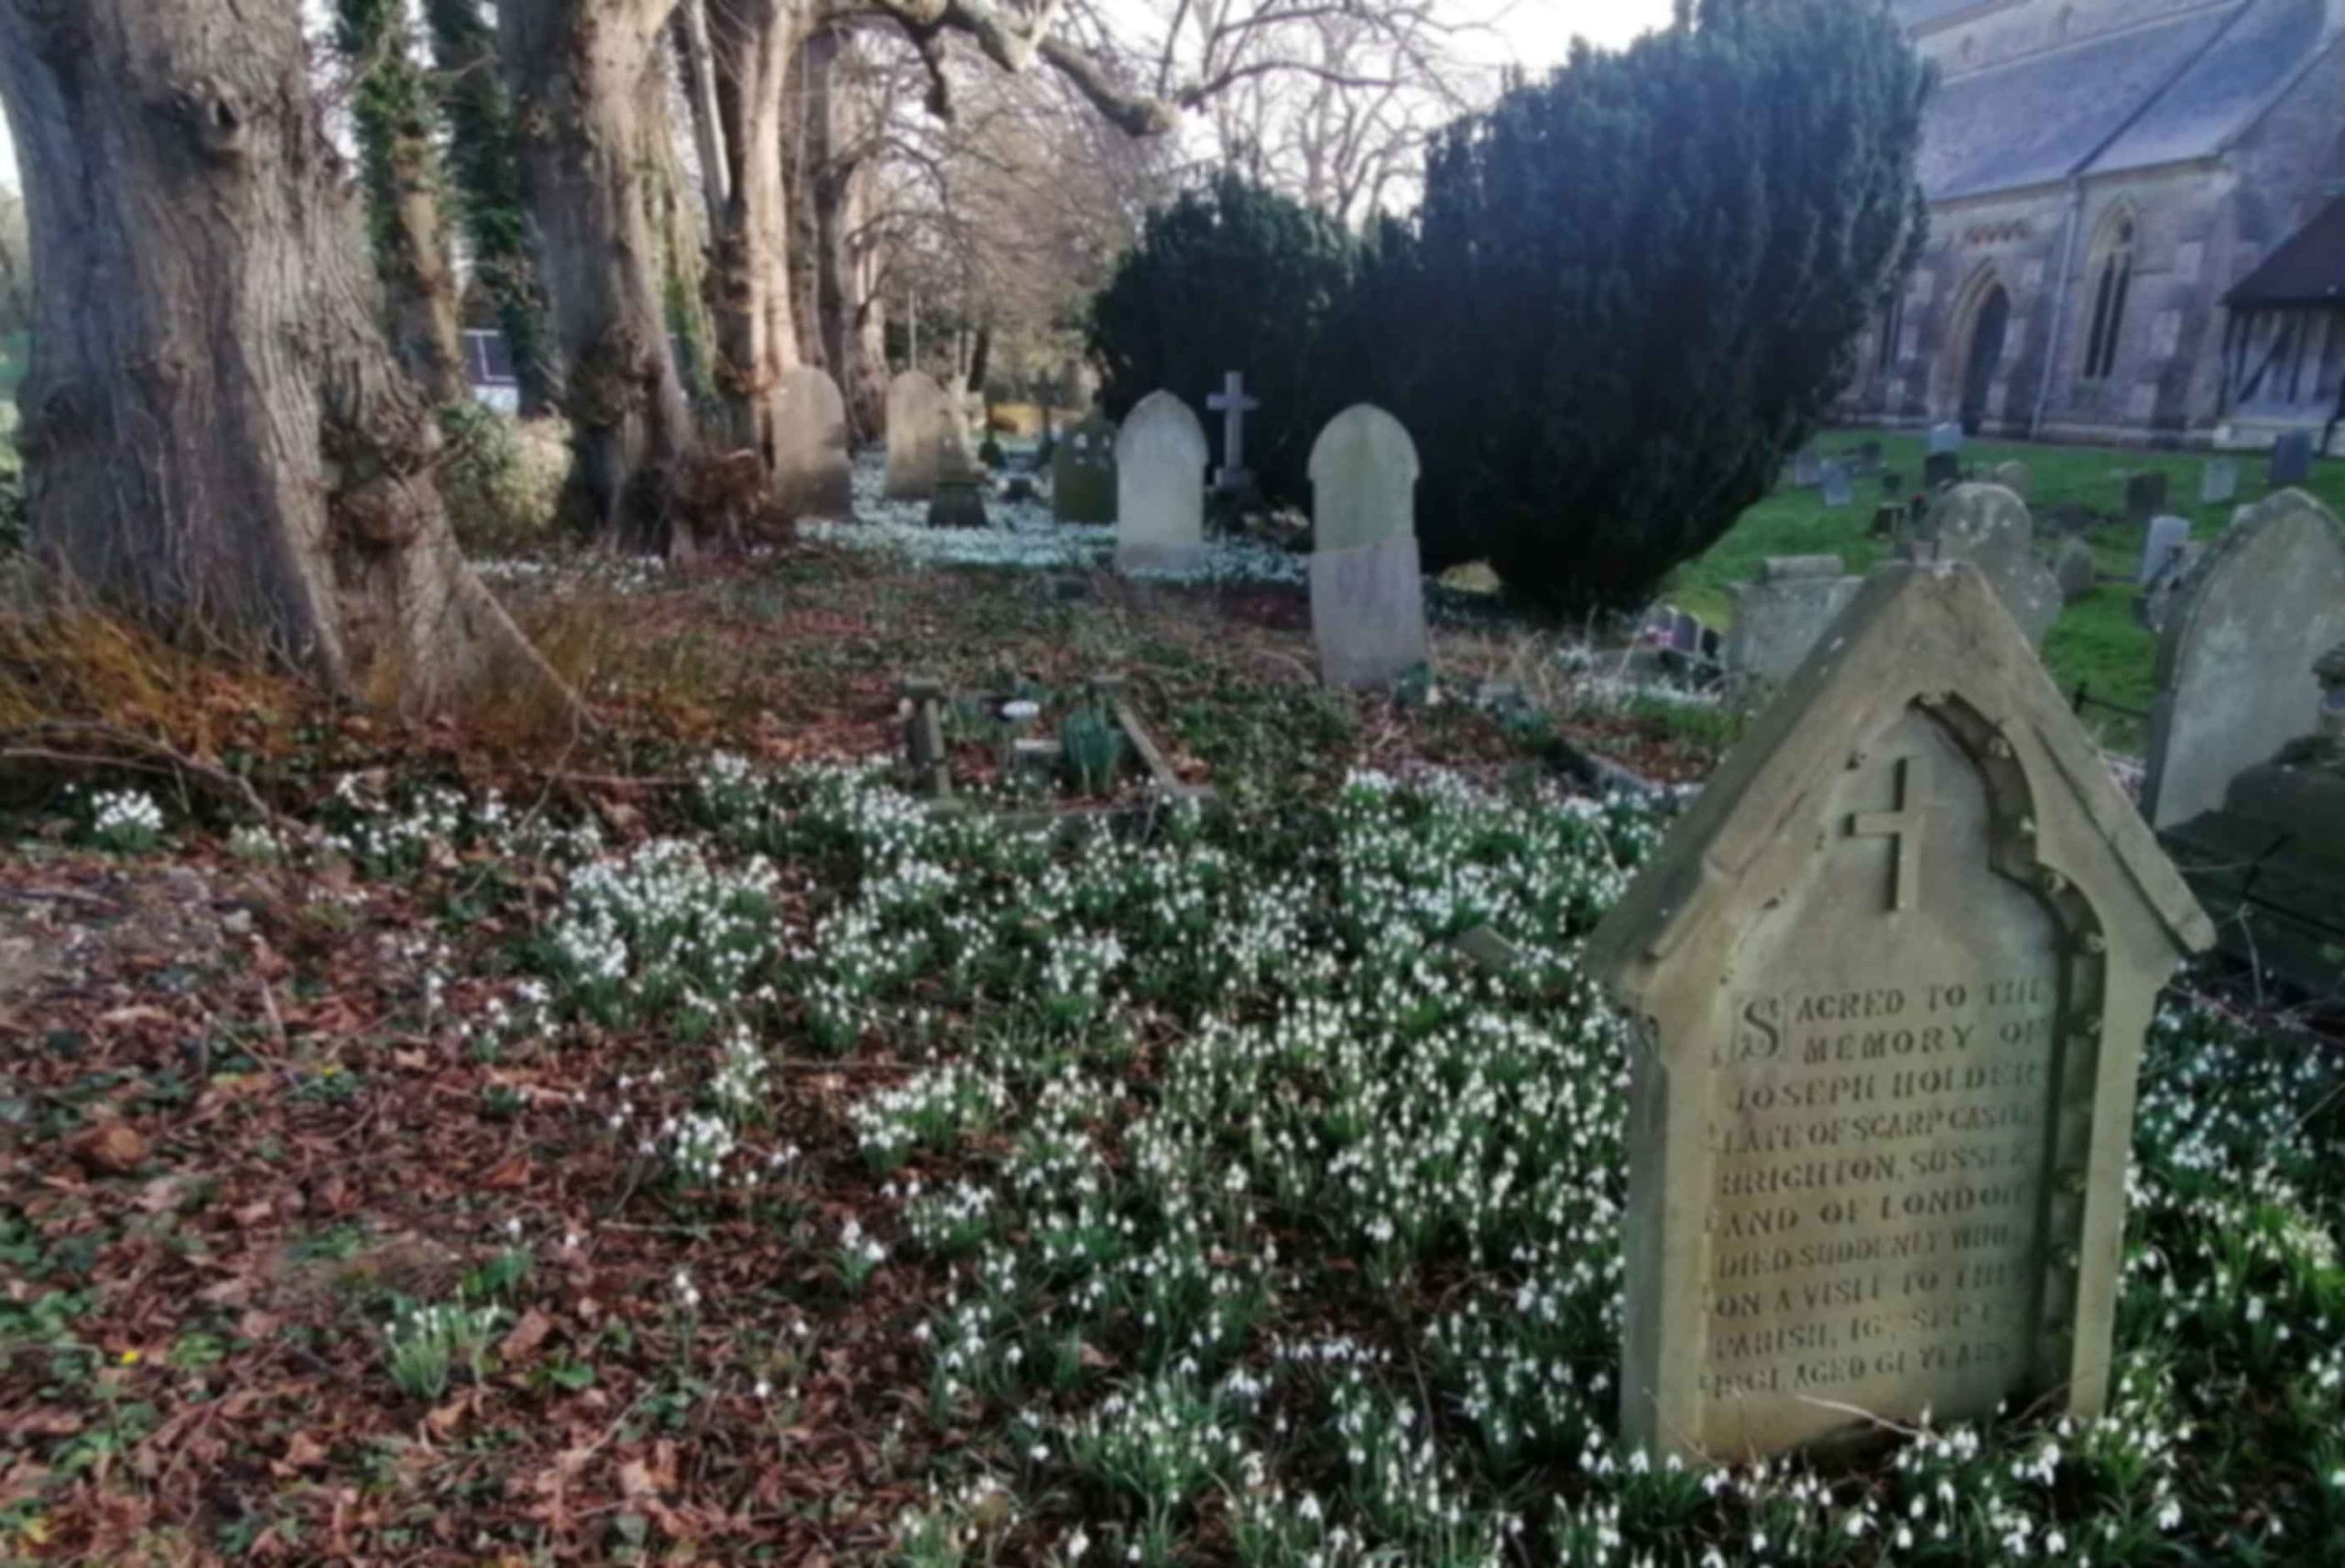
column 1945, row 438
column 1868, row 458
column 2219, row 481
column 1368, row 606
column 1989, row 527
column 1082, row 472
column 919, row 426
column 1941, row 468
column 812, row 477
column 1807, row 467
column 2291, row 460
column 1780, row 614
column 1888, row 980
column 1161, row 487
column 2235, row 654
column 2144, row 496
column 1835, row 484
column 2075, row 568
column 2013, row 476
column 2166, row 535
column 959, row 500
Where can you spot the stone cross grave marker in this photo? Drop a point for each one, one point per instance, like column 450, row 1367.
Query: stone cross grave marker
column 2236, row 652
column 1083, row 472
column 918, row 427
column 1233, row 405
column 2144, row 496
column 1161, row 460
column 2219, row 481
column 1835, row 484
column 2291, row 459
column 2166, row 534
column 813, row 476
column 1780, row 614
column 1368, row 602
column 1945, row 438
column 1989, row 527
column 1887, row 983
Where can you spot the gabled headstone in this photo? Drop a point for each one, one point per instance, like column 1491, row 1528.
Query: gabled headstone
column 1780, row 614
column 1989, row 527
column 918, row 427
column 1888, row 981
column 1082, row 472
column 2219, row 481
column 1834, row 485
column 813, row 476
column 1945, row 438
column 2235, row 654
column 2166, row 534
column 1161, row 487
column 1367, row 607
column 2144, row 496
column 1941, row 468
column 2291, row 459
column 2013, row 477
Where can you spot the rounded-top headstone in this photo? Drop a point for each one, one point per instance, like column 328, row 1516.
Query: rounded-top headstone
column 1161, row 456
column 2235, row 654
column 2076, row 569
column 1363, row 480
column 812, row 477
column 1989, row 527
column 919, row 427
column 2013, row 476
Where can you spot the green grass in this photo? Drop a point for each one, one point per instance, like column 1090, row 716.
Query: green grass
column 2097, row 642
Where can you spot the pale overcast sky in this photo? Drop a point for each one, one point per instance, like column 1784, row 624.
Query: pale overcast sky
column 1533, row 32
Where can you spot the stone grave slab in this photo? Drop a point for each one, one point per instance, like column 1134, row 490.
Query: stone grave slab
column 1835, row 486
column 1886, row 984
column 2144, row 496
column 1807, row 467
column 2291, row 459
column 812, row 474
column 1082, row 472
column 1780, row 616
column 2236, row 652
column 2219, row 481
column 1368, row 613
column 2166, row 534
column 919, row 425
column 1161, row 460
column 2075, row 567
column 1945, row 438
column 1989, row 527
column 1941, row 468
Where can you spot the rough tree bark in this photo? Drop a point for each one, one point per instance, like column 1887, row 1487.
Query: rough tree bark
column 576, row 69
column 218, row 438
column 832, row 172
column 391, row 109
column 483, row 159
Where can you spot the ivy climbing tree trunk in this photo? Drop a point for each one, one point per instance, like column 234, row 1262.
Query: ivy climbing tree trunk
column 577, row 73
column 391, row 111
column 483, row 162
column 218, row 438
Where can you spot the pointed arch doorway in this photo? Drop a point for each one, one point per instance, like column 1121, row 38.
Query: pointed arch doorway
column 1990, row 319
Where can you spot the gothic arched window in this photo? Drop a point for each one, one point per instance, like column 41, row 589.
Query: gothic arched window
column 2113, row 274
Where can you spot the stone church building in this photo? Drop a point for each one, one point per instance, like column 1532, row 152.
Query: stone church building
column 2137, row 223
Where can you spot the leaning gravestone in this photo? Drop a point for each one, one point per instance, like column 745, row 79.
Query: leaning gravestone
column 1780, row 614
column 1835, row 484
column 1988, row 525
column 2144, row 496
column 2291, row 460
column 1161, row 487
column 1368, row 604
column 1945, row 438
column 919, row 426
column 2166, row 535
column 2219, row 481
column 1887, row 982
column 813, row 476
column 2236, row 652
column 1082, row 472
column 1941, row 468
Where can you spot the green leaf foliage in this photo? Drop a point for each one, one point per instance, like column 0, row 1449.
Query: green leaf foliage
column 1635, row 287
column 1232, row 276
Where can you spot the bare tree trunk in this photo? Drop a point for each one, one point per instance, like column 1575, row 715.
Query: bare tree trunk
column 576, row 69
column 218, row 438
column 392, row 111
column 697, row 66
column 846, row 319
column 751, row 42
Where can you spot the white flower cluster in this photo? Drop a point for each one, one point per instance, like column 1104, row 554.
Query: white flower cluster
column 127, row 821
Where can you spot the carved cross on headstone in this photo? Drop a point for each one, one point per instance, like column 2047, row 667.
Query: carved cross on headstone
column 1902, row 827
column 1233, row 405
